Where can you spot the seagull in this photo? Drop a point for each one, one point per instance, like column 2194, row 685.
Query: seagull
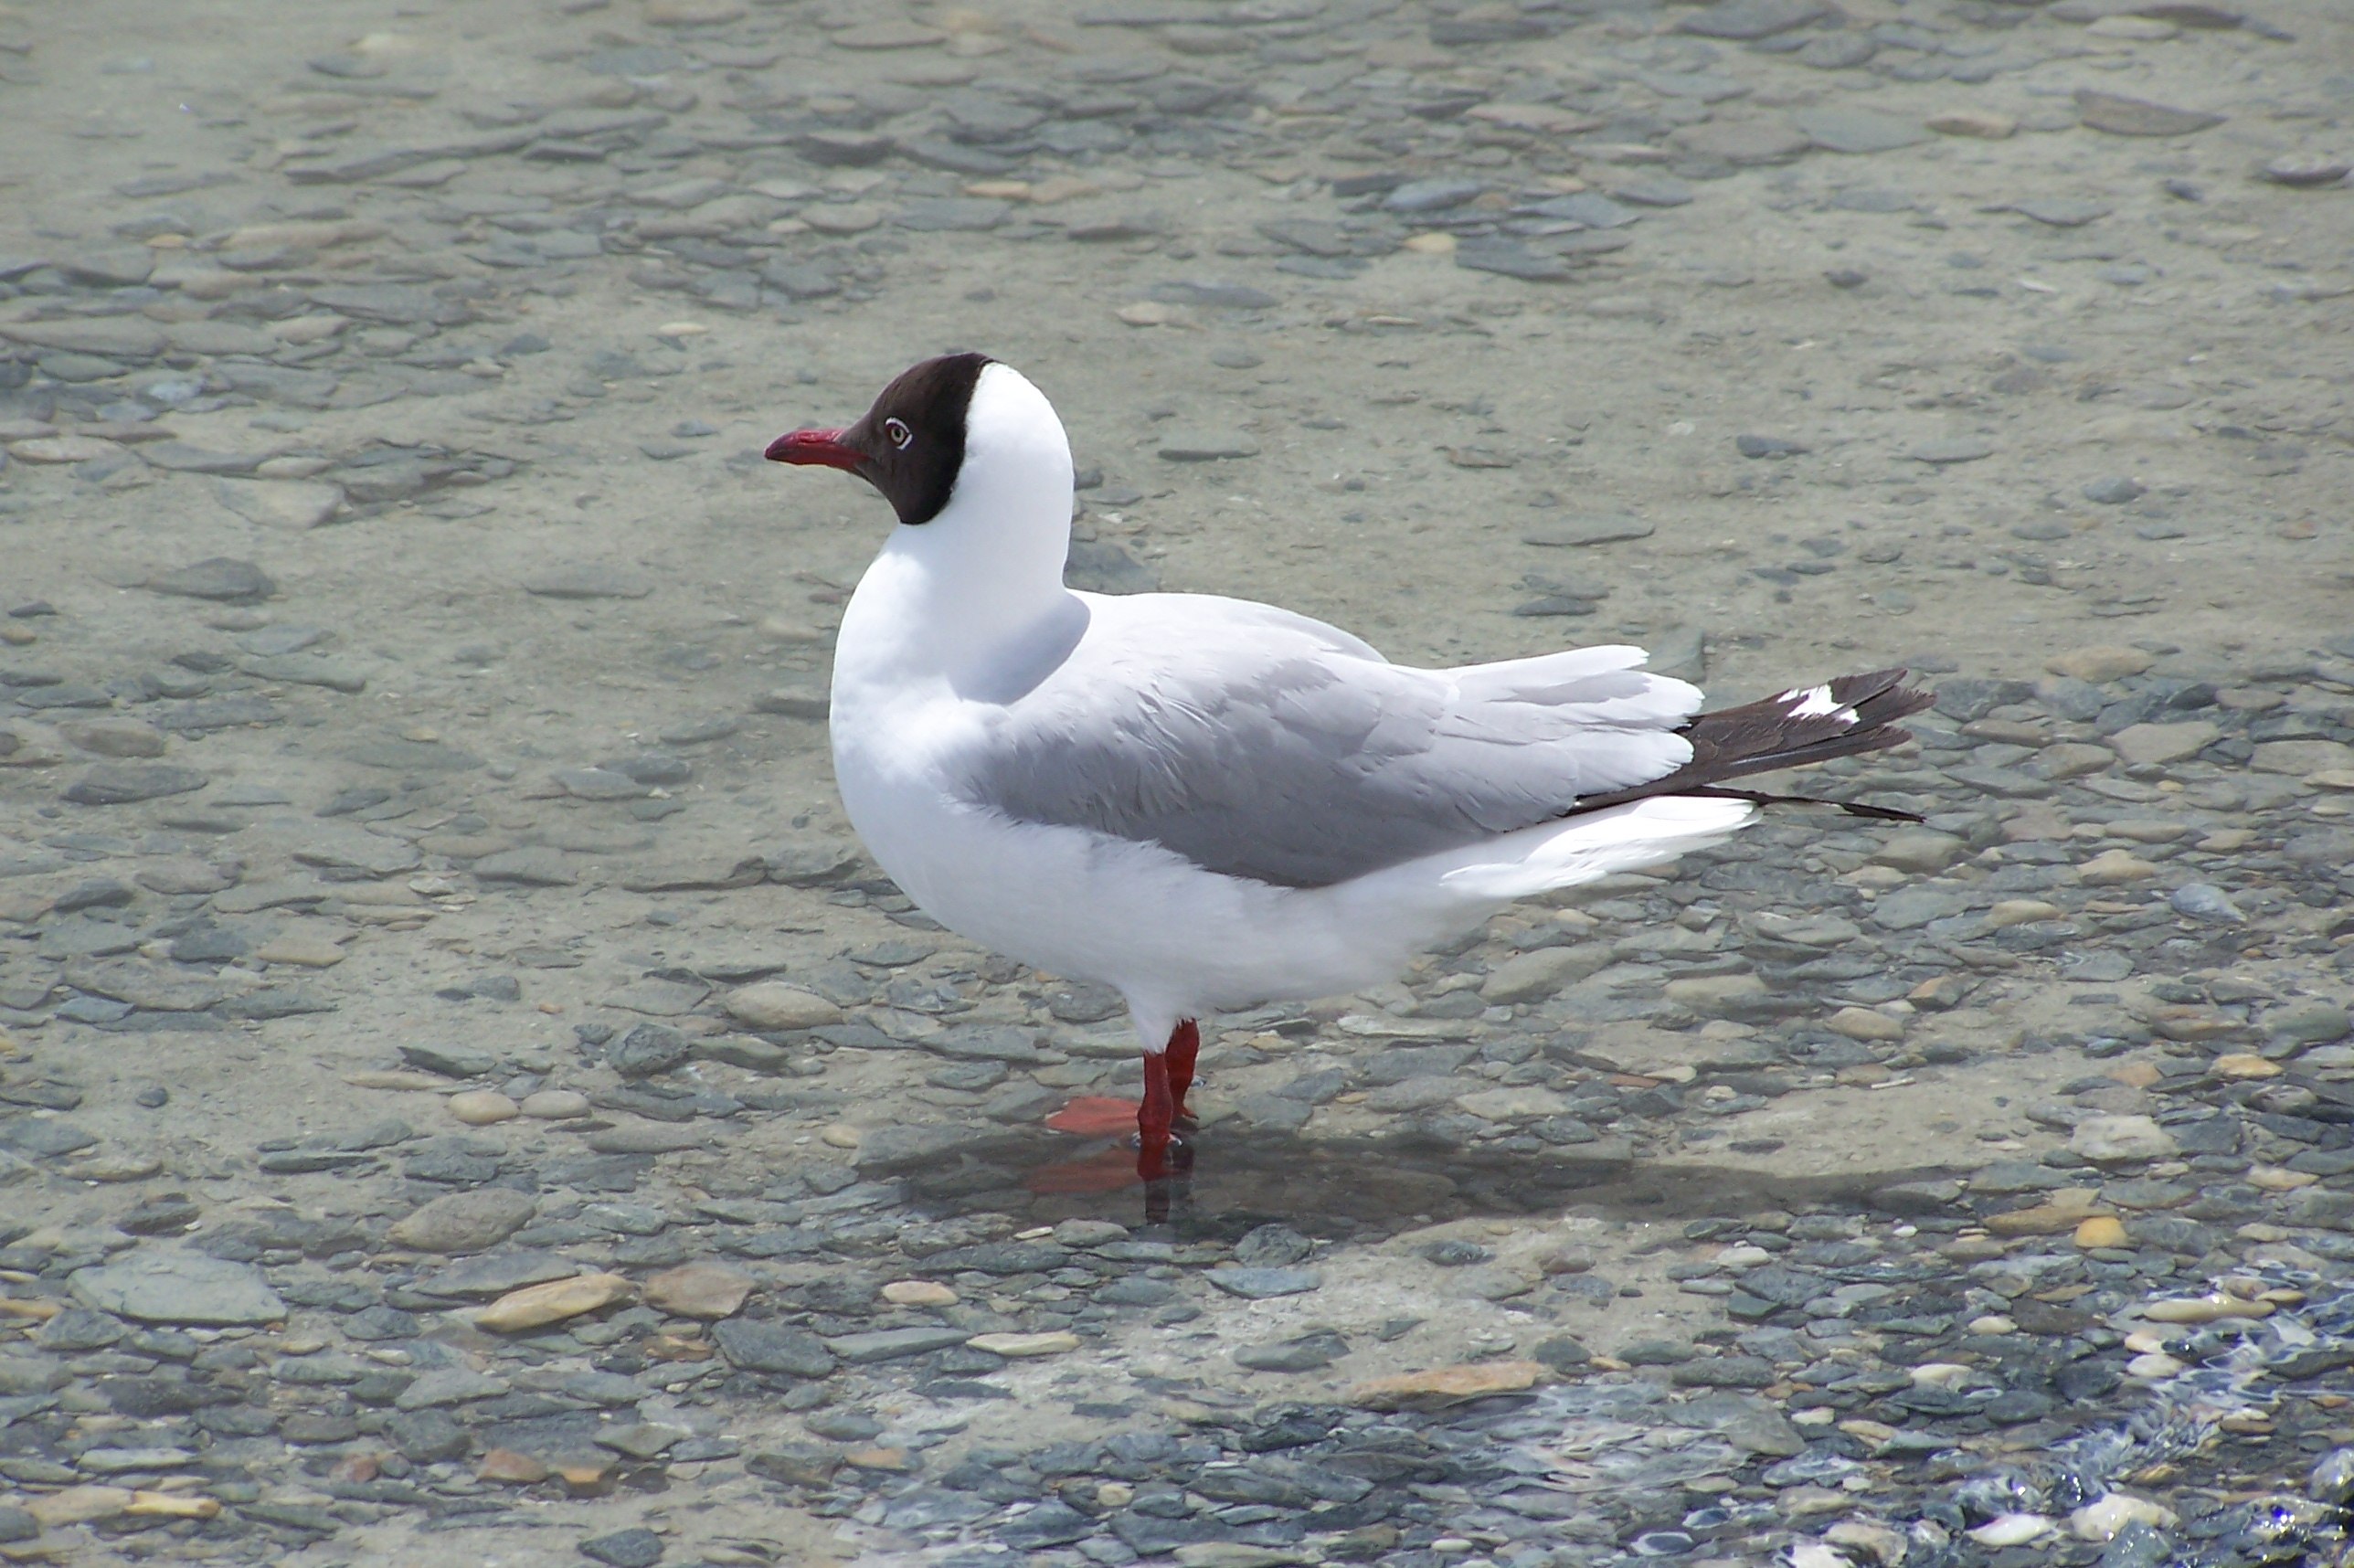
column 1209, row 804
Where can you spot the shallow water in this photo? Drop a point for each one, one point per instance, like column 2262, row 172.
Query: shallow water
column 413, row 684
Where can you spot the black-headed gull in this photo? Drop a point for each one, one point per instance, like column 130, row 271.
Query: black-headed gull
column 1210, row 804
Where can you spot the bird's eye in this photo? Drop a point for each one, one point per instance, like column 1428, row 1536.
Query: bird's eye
column 898, row 432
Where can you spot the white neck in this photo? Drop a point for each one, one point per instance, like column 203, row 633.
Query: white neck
column 983, row 579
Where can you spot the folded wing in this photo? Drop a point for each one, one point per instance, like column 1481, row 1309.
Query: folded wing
column 1260, row 744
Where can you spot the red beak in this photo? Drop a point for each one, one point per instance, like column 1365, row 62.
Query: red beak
column 820, row 448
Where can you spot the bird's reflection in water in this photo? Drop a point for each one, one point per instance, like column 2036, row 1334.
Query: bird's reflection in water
column 1227, row 1177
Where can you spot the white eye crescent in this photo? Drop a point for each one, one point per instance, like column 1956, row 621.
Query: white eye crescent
column 897, row 430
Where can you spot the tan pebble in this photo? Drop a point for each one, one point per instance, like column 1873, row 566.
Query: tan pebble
column 1863, row 1023
column 1973, row 124
column 1147, row 313
column 586, row 1477
column 877, row 1459
column 303, row 952
column 482, row 1107
column 171, row 1505
column 1115, row 1494
column 840, row 1135
column 1436, row 243
column 62, row 449
column 1443, row 1386
column 1939, row 1375
column 2103, row 661
column 1017, row 1346
column 2273, row 1179
column 535, row 1305
column 849, row 217
column 2110, row 1515
column 2019, row 912
column 2244, row 1067
column 699, row 1290
column 918, row 1293
column 2145, row 1341
column 772, row 1004
column 680, row 329
column 1993, row 1323
column 395, row 1079
column 2204, row 1308
column 2152, row 1365
column 2111, row 867
column 77, row 1504
column 2101, row 1230
column 555, row 1105
column 506, row 1465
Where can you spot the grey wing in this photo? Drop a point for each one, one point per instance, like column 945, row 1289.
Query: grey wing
column 1261, row 745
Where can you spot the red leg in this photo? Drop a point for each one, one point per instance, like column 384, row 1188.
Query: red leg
column 1154, row 1115
column 1184, row 1045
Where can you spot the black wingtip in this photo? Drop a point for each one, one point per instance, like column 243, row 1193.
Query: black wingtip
column 1847, row 717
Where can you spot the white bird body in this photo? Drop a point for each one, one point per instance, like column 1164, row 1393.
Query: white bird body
column 963, row 620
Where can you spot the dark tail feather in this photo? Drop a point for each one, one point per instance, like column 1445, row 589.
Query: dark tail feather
column 1852, row 807
column 1845, row 717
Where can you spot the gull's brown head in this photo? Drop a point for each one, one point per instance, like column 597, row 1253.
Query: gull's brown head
column 909, row 445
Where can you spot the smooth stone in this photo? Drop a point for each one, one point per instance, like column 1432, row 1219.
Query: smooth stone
column 2121, row 1140
column 1018, row 1347
column 1534, row 975
column 281, row 503
column 536, row 1305
column 1952, row 449
column 1983, row 124
column 1205, row 446
column 2106, row 1518
column 581, row 582
column 1443, row 1386
column 2106, row 662
column 535, row 867
column 216, row 577
column 301, row 951
column 893, row 1344
column 183, row 1287
column 2302, row 757
column 2011, row 1529
column 699, row 1290
column 648, row 1138
column 2156, row 745
column 772, row 1347
column 1586, row 529
column 62, row 448
column 1921, row 850
column 2306, row 172
column 633, row 1548
column 483, row 1108
column 774, row 1006
column 464, row 1222
column 919, row 1293
column 2121, row 116
column 127, row 784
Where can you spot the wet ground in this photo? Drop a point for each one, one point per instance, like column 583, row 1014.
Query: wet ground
column 464, row 1096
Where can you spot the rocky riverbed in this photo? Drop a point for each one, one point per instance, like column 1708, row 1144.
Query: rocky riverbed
column 465, row 1097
